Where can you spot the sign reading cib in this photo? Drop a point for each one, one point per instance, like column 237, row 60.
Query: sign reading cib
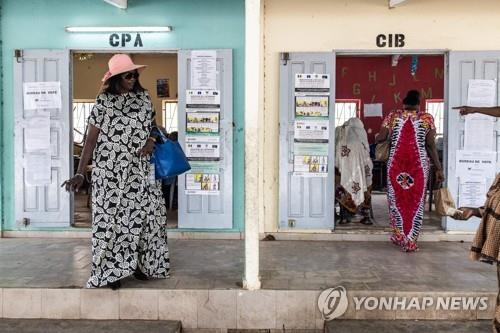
column 390, row 40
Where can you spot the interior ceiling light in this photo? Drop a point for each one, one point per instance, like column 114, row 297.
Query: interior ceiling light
column 119, row 29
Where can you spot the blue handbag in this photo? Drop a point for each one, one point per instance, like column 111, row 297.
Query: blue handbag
column 168, row 158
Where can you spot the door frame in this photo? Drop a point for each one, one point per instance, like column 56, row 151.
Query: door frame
column 368, row 52
column 72, row 51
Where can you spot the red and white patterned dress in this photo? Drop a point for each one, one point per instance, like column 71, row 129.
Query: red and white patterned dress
column 407, row 172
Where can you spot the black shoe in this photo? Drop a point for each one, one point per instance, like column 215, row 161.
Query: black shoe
column 140, row 275
column 115, row 285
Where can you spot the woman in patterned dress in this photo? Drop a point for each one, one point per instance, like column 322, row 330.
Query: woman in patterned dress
column 128, row 211
column 412, row 136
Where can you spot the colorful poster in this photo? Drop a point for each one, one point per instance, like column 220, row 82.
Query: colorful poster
column 202, row 183
column 310, row 166
column 206, row 123
column 311, row 106
column 311, row 130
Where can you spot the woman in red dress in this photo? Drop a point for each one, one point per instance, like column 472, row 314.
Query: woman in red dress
column 412, row 136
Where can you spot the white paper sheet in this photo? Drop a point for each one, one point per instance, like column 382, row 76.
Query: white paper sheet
column 37, row 133
column 475, row 165
column 472, row 193
column 312, row 81
column 42, row 95
column 311, row 106
column 482, row 93
column 38, row 169
column 373, row 110
column 203, row 98
column 479, row 132
column 311, row 130
column 203, row 151
column 203, row 69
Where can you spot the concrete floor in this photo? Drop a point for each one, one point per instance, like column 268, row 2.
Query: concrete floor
column 407, row 326
column 285, row 265
column 86, row 326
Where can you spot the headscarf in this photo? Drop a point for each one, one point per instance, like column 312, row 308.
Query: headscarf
column 352, row 159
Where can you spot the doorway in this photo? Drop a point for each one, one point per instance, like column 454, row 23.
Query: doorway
column 369, row 87
column 160, row 79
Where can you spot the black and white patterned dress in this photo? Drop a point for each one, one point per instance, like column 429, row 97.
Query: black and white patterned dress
column 128, row 212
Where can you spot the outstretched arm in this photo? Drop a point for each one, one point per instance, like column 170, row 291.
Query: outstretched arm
column 489, row 111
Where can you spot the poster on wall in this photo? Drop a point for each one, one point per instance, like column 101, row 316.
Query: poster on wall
column 311, row 106
column 373, row 110
column 202, row 123
column 42, row 95
column 162, row 88
column 311, row 130
column 203, row 183
column 204, row 69
column 479, row 132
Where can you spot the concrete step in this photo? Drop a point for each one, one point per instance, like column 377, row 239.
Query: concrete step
column 85, row 326
column 407, row 326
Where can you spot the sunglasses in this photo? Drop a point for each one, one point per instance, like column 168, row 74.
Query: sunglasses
column 130, row 75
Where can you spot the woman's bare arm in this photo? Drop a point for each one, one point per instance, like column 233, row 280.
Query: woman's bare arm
column 430, row 145
column 382, row 135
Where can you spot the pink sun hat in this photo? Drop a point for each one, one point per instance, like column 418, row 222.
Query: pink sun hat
column 121, row 63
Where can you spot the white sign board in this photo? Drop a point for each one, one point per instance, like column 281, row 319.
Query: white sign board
column 312, row 81
column 482, row 93
column 311, row 130
column 199, row 98
column 42, row 95
column 373, row 110
column 475, row 165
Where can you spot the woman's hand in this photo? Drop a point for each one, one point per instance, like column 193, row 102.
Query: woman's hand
column 439, row 176
column 148, row 148
column 464, row 213
column 464, row 110
column 74, row 184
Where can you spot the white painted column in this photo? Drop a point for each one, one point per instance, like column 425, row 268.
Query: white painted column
column 253, row 141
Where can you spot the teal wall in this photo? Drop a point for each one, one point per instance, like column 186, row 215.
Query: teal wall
column 29, row 24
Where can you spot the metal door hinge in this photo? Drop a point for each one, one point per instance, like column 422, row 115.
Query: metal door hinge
column 291, row 223
column 285, row 56
column 18, row 54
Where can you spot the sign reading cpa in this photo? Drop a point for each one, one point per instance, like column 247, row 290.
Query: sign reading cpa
column 122, row 40
column 390, row 40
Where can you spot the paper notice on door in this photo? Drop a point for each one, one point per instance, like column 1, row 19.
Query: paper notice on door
column 312, row 83
column 475, row 165
column 38, row 169
column 472, row 193
column 203, row 99
column 310, row 166
column 482, row 93
column 203, row 151
column 202, row 184
column 311, row 131
column 203, row 123
column 204, row 69
column 373, row 110
column 42, row 95
column 311, row 106
column 479, row 132
column 37, row 133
